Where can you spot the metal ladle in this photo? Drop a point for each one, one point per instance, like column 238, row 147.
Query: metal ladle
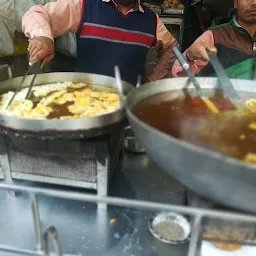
column 194, row 81
column 119, row 86
column 225, row 82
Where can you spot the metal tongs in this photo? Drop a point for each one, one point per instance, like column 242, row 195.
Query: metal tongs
column 194, row 81
column 22, row 82
column 119, row 85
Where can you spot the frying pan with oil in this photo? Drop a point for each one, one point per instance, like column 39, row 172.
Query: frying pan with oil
column 208, row 173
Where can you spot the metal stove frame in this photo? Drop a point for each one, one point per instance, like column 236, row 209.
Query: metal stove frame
column 196, row 216
column 106, row 163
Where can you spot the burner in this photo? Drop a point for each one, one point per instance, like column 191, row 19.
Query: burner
column 79, row 163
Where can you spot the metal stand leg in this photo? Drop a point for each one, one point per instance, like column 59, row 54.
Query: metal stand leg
column 5, row 165
column 42, row 242
column 37, row 223
column 102, row 180
column 103, row 226
column 194, row 246
column 103, row 160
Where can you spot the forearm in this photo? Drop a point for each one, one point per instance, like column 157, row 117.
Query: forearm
column 196, row 65
column 53, row 19
column 164, row 63
column 164, row 45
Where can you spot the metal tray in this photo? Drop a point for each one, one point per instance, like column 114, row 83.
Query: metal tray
column 155, row 10
column 173, row 11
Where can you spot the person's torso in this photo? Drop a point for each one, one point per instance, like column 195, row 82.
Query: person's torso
column 235, row 51
column 108, row 38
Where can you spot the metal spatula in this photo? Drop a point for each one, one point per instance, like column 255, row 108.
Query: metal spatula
column 225, row 82
column 194, row 81
column 223, row 78
column 254, row 58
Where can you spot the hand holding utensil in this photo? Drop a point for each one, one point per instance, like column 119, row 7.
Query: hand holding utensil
column 194, row 81
column 41, row 48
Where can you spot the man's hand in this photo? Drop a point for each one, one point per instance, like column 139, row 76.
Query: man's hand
column 198, row 51
column 41, row 48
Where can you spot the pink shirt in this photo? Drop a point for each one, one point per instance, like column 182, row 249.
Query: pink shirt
column 197, row 66
column 63, row 16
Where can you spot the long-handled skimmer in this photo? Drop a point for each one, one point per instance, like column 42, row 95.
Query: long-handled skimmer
column 225, row 82
column 22, row 82
column 254, row 58
column 223, row 78
column 194, row 81
column 119, row 86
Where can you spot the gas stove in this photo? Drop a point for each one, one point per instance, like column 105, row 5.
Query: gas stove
column 87, row 163
column 122, row 228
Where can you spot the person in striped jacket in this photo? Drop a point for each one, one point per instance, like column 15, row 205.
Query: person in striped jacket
column 233, row 42
column 109, row 33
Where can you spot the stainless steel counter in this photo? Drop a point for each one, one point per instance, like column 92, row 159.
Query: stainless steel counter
column 86, row 230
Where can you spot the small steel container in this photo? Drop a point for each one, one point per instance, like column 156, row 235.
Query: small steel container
column 175, row 226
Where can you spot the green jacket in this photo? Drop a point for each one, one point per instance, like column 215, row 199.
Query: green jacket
column 235, row 50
